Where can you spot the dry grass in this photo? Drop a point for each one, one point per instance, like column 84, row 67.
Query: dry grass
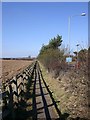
column 69, row 89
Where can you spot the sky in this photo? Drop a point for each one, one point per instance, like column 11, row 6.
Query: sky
column 0, row 30
column 89, row 24
column 26, row 26
column 44, row 0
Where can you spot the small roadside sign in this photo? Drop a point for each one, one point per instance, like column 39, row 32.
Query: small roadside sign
column 68, row 59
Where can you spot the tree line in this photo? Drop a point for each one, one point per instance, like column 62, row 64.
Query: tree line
column 54, row 58
column 51, row 55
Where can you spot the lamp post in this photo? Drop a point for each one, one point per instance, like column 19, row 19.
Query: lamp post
column 69, row 24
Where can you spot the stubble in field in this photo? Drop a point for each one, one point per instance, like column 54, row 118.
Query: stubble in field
column 9, row 68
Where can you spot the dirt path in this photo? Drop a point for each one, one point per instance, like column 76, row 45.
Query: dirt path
column 46, row 107
column 39, row 102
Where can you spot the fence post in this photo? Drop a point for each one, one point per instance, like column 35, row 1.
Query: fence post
column 24, row 79
column 4, row 99
column 11, row 104
column 22, row 87
column 16, row 99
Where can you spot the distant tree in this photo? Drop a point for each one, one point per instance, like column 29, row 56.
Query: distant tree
column 43, row 49
column 29, row 57
column 89, row 49
column 55, row 42
column 75, row 53
column 83, row 53
column 51, row 55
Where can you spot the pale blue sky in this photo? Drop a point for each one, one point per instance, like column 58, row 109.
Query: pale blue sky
column 26, row 26
column 0, row 30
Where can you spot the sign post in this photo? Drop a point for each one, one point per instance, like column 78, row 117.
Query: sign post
column 68, row 60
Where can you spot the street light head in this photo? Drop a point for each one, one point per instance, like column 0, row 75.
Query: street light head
column 77, row 45
column 83, row 14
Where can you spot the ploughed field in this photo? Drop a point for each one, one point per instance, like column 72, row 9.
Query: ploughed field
column 9, row 68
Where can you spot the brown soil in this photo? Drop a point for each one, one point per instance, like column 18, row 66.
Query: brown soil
column 11, row 67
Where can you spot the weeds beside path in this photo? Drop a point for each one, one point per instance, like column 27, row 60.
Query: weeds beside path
column 71, row 89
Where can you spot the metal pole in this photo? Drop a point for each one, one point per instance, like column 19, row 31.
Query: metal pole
column 69, row 20
column 77, row 55
column 69, row 25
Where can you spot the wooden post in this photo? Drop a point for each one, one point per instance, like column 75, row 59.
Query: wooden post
column 11, row 104
column 4, row 99
column 24, row 79
column 16, row 99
